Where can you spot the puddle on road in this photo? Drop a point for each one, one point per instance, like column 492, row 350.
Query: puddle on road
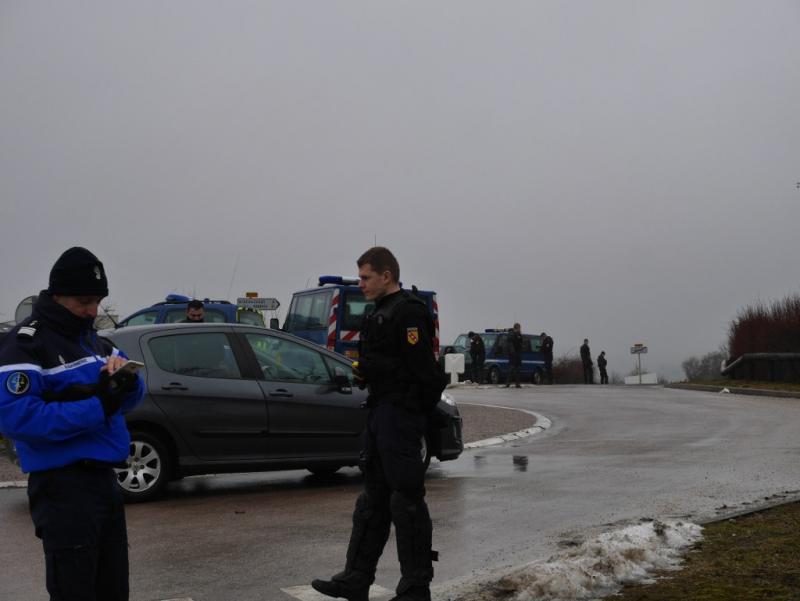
column 595, row 568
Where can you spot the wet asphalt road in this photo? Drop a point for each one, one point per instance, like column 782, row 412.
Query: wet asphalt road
column 613, row 455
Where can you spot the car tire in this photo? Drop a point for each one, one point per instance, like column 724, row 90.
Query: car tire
column 494, row 376
column 537, row 377
column 147, row 472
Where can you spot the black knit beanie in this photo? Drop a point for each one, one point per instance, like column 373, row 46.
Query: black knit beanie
column 78, row 273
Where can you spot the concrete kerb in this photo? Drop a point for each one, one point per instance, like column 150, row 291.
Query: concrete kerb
column 542, row 424
column 781, row 394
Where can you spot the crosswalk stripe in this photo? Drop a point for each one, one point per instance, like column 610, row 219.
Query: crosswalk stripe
column 306, row 593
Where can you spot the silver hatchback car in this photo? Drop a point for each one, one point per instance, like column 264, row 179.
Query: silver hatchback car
column 235, row 398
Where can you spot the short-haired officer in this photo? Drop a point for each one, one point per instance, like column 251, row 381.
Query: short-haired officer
column 397, row 362
column 195, row 312
column 65, row 414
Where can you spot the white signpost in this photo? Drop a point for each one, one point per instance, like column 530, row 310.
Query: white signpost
column 265, row 304
column 639, row 349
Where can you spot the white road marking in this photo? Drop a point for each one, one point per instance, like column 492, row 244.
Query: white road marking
column 306, row 593
column 14, row 484
column 542, row 424
column 181, row 599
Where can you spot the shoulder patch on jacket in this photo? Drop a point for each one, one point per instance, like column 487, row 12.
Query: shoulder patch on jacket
column 412, row 335
column 28, row 331
column 18, row 382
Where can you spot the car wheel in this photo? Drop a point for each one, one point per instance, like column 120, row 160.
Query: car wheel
column 494, row 375
column 147, row 472
column 537, row 377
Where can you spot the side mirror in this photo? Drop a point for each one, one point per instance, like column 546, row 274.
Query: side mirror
column 343, row 384
column 274, row 324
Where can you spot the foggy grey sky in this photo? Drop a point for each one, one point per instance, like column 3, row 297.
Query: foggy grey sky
column 623, row 171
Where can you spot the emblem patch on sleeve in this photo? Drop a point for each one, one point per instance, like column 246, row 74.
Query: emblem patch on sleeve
column 412, row 335
column 18, row 383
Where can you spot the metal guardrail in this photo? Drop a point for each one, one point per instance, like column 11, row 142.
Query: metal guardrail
column 767, row 367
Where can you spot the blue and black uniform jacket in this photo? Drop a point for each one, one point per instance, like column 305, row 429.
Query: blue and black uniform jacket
column 48, row 366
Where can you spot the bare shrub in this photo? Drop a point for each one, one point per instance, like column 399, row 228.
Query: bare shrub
column 568, row 370
column 766, row 328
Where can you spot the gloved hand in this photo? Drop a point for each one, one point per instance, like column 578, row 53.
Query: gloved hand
column 358, row 377
column 110, row 393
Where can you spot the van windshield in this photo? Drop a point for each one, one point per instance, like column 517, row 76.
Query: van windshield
column 355, row 308
column 309, row 311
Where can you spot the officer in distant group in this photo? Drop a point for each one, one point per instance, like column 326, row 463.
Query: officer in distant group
column 547, row 352
column 601, row 365
column 477, row 355
column 514, row 348
column 399, row 368
column 64, row 412
column 586, row 360
column 195, row 312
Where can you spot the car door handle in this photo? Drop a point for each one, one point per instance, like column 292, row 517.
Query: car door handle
column 281, row 392
column 174, row 386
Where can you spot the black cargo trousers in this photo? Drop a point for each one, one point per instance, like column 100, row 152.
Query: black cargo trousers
column 394, row 491
column 79, row 514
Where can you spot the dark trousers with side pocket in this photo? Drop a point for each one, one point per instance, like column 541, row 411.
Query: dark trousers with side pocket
column 79, row 514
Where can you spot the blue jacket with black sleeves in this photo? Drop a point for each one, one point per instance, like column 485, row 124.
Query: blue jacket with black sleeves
column 41, row 362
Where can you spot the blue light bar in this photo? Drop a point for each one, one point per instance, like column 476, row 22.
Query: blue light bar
column 177, row 298
column 337, row 280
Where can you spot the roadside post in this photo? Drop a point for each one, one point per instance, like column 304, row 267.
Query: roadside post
column 639, row 349
column 454, row 364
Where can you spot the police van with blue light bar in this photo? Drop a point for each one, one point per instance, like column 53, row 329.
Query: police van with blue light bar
column 332, row 314
column 247, row 310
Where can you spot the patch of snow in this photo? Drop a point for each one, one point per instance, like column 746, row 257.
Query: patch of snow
column 600, row 567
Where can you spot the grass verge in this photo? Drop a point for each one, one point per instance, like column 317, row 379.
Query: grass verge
column 753, row 558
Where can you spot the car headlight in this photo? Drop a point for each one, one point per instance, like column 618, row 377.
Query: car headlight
column 448, row 398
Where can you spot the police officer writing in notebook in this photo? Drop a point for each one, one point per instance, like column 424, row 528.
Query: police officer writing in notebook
column 399, row 368
column 64, row 412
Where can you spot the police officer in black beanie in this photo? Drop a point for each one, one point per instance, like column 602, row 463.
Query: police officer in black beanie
column 64, row 412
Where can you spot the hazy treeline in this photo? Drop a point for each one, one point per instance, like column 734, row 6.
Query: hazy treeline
column 766, row 328
column 707, row 367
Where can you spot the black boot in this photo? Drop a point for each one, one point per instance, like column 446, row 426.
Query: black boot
column 371, row 524
column 413, row 530
column 353, row 586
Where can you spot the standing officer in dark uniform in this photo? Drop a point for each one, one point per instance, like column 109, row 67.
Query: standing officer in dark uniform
column 602, row 363
column 547, row 353
column 64, row 412
column 477, row 355
column 514, row 348
column 404, row 381
column 586, row 359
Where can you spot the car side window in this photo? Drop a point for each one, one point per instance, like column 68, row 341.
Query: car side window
column 204, row 355
column 286, row 361
column 143, row 319
column 337, row 368
column 178, row 315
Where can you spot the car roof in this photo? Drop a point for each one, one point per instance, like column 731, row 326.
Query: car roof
column 134, row 332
